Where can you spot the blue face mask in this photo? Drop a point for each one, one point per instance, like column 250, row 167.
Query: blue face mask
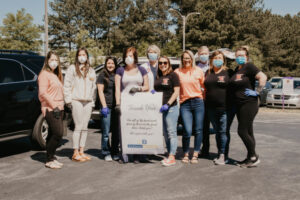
column 152, row 56
column 203, row 58
column 240, row 60
column 218, row 63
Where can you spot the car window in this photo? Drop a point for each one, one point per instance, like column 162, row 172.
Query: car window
column 10, row 71
column 28, row 74
column 275, row 80
column 297, row 84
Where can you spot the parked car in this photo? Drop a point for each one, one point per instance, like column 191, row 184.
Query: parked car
column 263, row 94
column 20, row 110
column 274, row 81
column 277, row 99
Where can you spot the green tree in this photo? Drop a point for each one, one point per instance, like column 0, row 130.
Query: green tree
column 19, row 32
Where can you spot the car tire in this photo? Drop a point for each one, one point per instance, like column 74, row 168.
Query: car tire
column 40, row 133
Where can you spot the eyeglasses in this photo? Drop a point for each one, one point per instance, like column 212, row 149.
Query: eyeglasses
column 160, row 63
column 186, row 58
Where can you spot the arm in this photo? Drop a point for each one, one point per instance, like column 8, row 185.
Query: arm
column 43, row 84
column 94, row 89
column 262, row 78
column 145, row 87
column 68, row 85
column 174, row 95
column 118, row 89
column 101, row 95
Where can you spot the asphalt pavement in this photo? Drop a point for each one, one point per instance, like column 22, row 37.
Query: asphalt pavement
column 277, row 132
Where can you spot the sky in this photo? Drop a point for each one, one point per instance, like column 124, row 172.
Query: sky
column 36, row 8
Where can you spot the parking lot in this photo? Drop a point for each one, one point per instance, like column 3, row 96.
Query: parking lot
column 23, row 175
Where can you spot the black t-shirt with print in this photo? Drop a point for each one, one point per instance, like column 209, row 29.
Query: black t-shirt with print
column 216, row 89
column 109, row 88
column 166, row 85
column 243, row 78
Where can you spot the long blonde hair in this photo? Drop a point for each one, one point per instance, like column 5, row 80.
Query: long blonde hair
column 192, row 57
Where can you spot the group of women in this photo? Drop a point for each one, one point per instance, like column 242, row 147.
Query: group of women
column 198, row 95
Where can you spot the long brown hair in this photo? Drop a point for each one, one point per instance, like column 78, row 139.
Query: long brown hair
column 86, row 64
column 46, row 66
column 216, row 53
column 135, row 55
column 170, row 69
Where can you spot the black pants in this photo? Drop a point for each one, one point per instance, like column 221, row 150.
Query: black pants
column 206, row 133
column 55, row 133
column 231, row 111
column 245, row 115
column 115, row 138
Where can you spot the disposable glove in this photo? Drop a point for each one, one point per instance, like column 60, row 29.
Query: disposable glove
column 104, row 112
column 164, row 108
column 251, row 93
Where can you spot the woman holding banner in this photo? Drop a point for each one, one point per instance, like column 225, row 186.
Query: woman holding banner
column 242, row 85
column 168, row 82
column 106, row 91
column 191, row 104
column 130, row 79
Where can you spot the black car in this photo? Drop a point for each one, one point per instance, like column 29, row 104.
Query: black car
column 20, row 109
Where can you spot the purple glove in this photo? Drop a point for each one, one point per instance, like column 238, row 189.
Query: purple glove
column 251, row 93
column 104, row 112
column 153, row 91
column 164, row 108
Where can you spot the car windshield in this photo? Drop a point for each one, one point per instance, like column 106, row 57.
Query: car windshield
column 275, row 80
column 296, row 85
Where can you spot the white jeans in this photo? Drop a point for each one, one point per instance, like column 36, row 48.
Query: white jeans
column 81, row 113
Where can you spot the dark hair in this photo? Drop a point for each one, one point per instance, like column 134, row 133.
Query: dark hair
column 170, row 69
column 46, row 66
column 135, row 56
column 106, row 72
column 215, row 53
column 86, row 64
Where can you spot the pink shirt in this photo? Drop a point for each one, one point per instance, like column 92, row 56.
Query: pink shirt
column 191, row 83
column 51, row 94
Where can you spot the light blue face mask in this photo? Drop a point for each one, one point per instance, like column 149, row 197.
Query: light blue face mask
column 152, row 56
column 218, row 63
column 240, row 60
column 203, row 58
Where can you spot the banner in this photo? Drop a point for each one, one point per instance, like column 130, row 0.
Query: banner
column 141, row 123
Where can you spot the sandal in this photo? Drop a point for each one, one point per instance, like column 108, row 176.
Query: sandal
column 52, row 165
column 185, row 159
column 84, row 156
column 77, row 158
column 194, row 159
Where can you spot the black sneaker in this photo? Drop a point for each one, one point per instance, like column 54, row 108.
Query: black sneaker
column 251, row 162
column 239, row 163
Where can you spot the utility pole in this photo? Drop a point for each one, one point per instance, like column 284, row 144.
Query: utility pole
column 46, row 28
column 184, row 19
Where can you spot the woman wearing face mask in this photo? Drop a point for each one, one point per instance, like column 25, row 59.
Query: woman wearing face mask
column 79, row 90
column 168, row 82
column 216, row 83
column 153, row 53
column 51, row 97
column 242, row 85
column 130, row 79
column 191, row 104
column 106, row 91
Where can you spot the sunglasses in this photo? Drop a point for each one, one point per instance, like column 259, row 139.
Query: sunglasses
column 160, row 63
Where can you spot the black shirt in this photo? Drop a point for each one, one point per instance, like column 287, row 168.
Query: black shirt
column 242, row 79
column 216, row 89
column 166, row 85
column 109, row 88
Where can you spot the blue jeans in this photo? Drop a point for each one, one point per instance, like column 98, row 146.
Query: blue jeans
column 170, row 119
column 218, row 119
column 105, row 126
column 192, row 114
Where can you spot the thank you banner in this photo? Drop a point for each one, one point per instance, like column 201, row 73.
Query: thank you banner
column 141, row 123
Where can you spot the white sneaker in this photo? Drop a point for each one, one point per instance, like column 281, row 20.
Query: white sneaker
column 220, row 160
column 52, row 165
column 58, row 163
column 108, row 158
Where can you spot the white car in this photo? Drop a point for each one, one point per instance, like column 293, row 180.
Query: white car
column 277, row 99
column 274, row 81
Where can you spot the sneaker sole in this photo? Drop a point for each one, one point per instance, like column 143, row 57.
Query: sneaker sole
column 168, row 165
column 251, row 165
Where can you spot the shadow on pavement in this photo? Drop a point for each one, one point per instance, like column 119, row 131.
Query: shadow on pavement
column 15, row 146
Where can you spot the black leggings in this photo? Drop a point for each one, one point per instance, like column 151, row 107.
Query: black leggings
column 55, row 133
column 245, row 115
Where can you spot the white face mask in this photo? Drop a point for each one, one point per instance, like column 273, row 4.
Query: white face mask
column 82, row 59
column 129, row 60
column 53, row 65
